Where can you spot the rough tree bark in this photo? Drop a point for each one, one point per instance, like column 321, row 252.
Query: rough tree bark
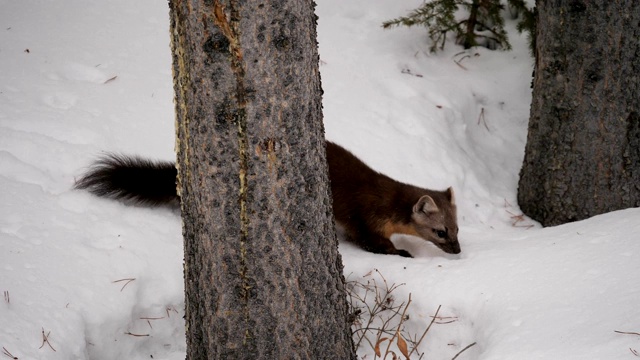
column 263, row 275
column 583, row 149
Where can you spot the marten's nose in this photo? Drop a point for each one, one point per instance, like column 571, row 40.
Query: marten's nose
column 454, row 248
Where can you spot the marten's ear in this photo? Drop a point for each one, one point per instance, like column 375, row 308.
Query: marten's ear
column 426, row 205
column 450, row 196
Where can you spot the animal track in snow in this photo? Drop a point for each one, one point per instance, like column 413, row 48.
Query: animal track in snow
column 61, row 100
column 82, row 72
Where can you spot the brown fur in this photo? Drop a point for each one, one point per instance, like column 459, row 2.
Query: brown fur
column 371, row 207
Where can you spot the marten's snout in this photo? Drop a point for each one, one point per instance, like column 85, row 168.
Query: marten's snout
column 451, row 247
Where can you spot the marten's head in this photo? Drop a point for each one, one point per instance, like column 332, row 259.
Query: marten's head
column 434, row 219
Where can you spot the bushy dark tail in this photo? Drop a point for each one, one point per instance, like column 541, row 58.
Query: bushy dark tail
column 132, row 179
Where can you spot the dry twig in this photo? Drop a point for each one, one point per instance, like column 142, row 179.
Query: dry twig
column 463, row 350
column 110, row 79
column 383, row 301
column 6, row 352
column 402, row 345
column 459, row 61
column 125, row 284
column 482, row 120
column 169, row 309
column 626, row 332
column 517, row 219
column 377, row 318
column 137, row 335
column 151, row 318
column 45, row 340
column 441, row 320
column 433, row 319
column 409, row 72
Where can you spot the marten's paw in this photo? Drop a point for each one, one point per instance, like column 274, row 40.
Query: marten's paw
column 404, row 253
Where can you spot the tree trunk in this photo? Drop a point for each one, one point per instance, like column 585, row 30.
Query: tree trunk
column 583, row 149
column 263, row 275
column 469, row 37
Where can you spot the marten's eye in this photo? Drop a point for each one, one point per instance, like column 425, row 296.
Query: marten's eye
column 440, row 233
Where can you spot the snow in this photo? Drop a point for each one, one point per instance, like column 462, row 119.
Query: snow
column 79, row 78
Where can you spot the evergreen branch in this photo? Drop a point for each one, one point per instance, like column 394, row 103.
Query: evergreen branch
column 415, row 18
column 439, row 16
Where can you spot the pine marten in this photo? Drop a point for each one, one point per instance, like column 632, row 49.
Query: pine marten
column 369, row 206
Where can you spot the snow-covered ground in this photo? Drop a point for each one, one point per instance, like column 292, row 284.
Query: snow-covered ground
column 88, row 278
